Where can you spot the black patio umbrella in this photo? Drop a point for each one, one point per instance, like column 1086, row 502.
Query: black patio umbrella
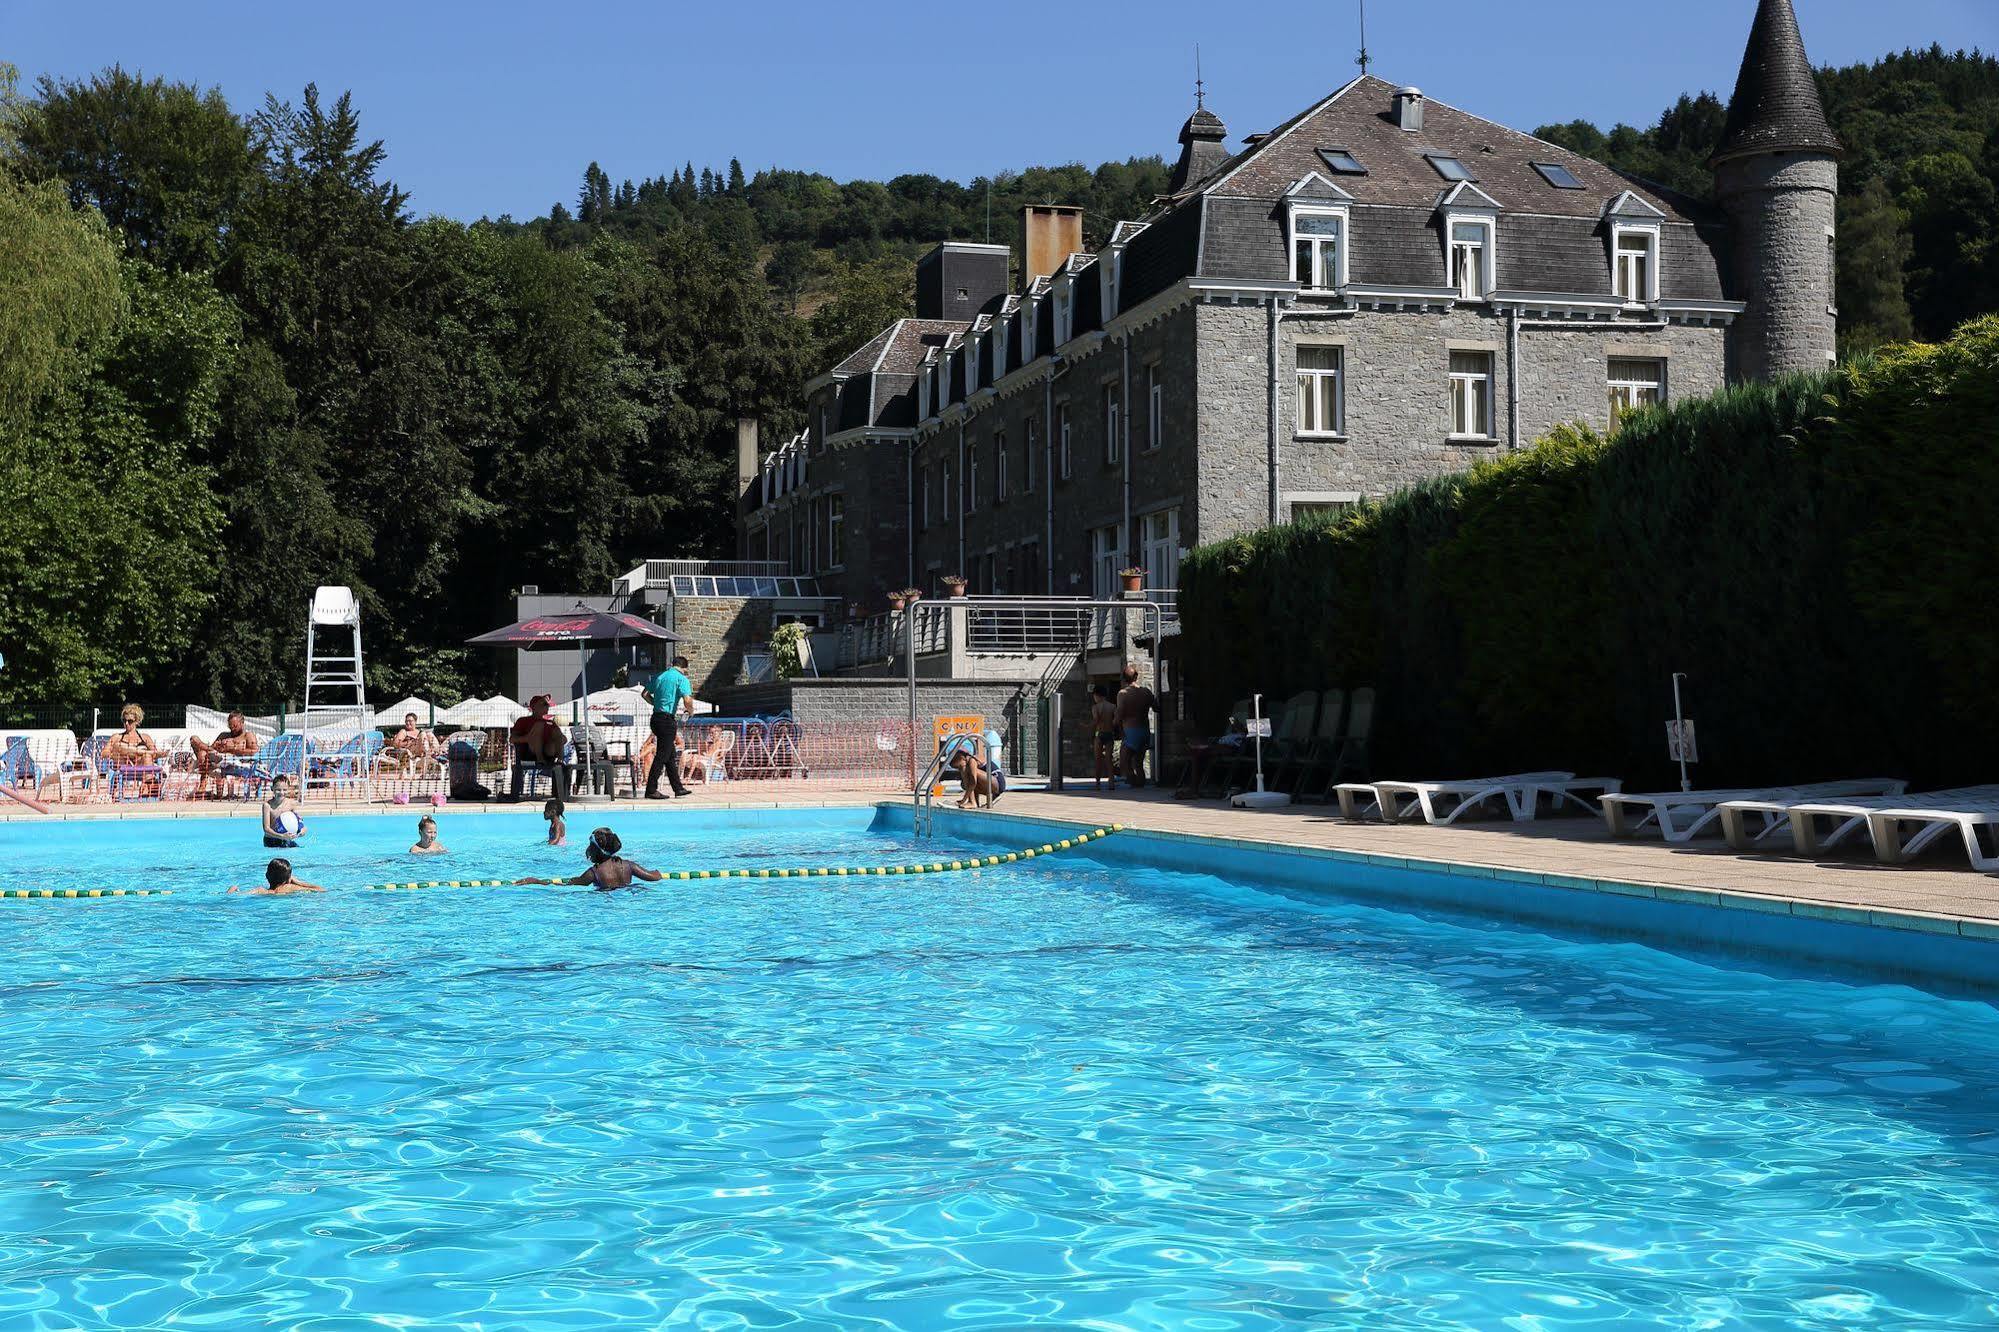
column 582, row 626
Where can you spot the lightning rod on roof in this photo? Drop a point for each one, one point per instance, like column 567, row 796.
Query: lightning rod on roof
column 1363, row 36
column 1200, row 96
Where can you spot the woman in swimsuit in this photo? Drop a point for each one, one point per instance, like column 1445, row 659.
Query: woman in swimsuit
column 608, row 869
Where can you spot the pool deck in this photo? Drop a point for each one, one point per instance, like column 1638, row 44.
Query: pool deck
column 1939, row 894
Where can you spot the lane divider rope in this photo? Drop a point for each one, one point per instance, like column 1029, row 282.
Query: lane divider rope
column 815, row 872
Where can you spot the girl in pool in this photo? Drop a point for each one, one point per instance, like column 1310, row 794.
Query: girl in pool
column 558, row 827
column 426, row 838
column 608, row 869
column 283, row 824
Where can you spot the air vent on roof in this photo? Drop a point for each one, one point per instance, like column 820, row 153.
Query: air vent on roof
column 1342, row 161
column 1409, row 108
column 1558, row 175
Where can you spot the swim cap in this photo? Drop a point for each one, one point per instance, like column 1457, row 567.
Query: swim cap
column 603, row 845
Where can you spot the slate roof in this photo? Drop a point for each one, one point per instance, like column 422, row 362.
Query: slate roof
column 1360, row 118
column 898, row 349
column 1776, row 104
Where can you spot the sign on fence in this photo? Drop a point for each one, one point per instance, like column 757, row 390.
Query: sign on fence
column 947, row 727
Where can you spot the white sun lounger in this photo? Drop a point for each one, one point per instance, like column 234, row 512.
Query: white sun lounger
column 1903, row 832
column 1808, row 837
column 1444, row 803
column 1682, row 815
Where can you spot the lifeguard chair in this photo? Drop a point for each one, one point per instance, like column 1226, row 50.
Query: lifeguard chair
column 336, row 701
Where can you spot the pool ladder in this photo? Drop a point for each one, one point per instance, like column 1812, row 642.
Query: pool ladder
column 923, row 801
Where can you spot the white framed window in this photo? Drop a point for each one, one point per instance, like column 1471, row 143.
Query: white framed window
column 999, row 348
column 1113, row 425
column 1159, row 548
column 1471, row 395
column 1027, row 331
column 923, row 395
column 1635, row 264
column 1061, row 314
column 1321, row 394
column 1106, row 558
column 1029, row 461
column 836, row 531
column 972, row 479
column 999, row 468
column 1318, row 249
column 1320, row 510
column 971, row 366
column 1471, row 258
column 1635, row 382
column 1155, row 410
column 1063, row 455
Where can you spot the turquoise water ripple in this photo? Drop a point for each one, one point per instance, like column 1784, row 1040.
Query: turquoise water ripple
column 1066, row 1094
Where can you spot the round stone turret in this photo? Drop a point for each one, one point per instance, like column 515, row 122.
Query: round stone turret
column 1777, row 176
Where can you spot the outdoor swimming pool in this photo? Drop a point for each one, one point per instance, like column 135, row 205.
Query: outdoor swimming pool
column 1070, row 1092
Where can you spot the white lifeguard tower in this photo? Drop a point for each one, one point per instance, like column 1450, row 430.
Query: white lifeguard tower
column 336, row 700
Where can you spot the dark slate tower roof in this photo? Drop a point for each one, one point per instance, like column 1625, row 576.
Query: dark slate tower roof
column 1776, row 105
column 1201, row 150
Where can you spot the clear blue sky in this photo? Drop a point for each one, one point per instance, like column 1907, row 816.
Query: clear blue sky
column 496, row 107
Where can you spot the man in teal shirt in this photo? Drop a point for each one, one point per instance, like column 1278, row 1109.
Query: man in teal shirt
column 668, row 692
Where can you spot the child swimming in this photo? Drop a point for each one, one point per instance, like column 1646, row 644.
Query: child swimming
column 558, row 827
column 608, row 869
column 426, row 838
column 278, row 882
column 283, row 824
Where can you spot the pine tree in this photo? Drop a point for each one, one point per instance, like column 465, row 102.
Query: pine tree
column 736, row 184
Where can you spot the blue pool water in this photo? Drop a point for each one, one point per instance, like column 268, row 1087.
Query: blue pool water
column 1068, row 1093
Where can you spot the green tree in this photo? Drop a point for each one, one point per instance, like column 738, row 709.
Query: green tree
column 866, row 298
column 165, row 163
column 59, row 288
column 1873, row 243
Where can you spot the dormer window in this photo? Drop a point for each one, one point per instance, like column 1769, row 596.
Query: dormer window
column 1027, row 331
column 999, row 351
column 1061, row 315
column 1470, row 242
column 1635, row 265
column 1318, row 250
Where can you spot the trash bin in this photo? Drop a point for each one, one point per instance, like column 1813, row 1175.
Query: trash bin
column 462, row 759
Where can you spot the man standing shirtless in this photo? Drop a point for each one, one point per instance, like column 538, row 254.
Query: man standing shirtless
column 1135, row 706
column 212, row 758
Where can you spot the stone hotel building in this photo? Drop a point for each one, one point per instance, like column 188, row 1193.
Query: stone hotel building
column 1382, row 288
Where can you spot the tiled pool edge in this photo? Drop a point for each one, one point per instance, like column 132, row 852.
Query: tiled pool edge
column 1885, row 944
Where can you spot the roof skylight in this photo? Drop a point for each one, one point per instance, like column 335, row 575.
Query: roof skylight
column 1448, row 167
column 1342, row 161
column 1558, row 175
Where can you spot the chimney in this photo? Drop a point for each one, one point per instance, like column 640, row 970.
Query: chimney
column 749, row 476
column 1409, row 109
column 1050, row 233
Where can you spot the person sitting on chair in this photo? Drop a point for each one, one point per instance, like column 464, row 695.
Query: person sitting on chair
column 409, row 745
column 539, row 741
column 221, row 759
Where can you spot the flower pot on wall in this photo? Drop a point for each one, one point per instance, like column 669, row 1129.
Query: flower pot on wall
column 955, row 586
column 1134, row 579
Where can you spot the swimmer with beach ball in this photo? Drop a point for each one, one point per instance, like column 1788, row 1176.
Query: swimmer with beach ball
column 283, row 824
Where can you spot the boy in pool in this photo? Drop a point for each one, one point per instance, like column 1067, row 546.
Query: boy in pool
column 608, row 869
column 426, row 838
column 558, row 827
column 278, row 882
column 283, row 824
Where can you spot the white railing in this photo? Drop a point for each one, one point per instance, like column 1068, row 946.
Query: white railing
column 658, row 573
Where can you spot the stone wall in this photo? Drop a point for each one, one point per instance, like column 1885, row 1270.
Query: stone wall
column 714, row 631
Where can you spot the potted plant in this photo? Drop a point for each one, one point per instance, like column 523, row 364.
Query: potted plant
column 897, row 600
column 1134, row 579
column 954, row 584
column 912, row 595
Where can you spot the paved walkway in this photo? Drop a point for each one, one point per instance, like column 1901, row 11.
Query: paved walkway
column 1941, row 884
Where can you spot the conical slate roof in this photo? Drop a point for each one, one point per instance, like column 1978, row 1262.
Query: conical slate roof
column 1776, row 105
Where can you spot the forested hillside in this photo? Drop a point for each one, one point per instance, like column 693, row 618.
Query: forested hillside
column 1918, row 243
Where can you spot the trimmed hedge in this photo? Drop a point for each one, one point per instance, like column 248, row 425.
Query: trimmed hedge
column 1819, row 553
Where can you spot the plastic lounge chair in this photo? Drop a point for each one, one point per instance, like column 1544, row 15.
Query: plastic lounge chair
column 1818, row 826
column 1321, row 750
column 1184, row 779
column 1571, row 790
column 1899, row 834
column 1683, row 815
column 1350, row 762
column 1288, row 735
column 282, row 756
column 1445, row 802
